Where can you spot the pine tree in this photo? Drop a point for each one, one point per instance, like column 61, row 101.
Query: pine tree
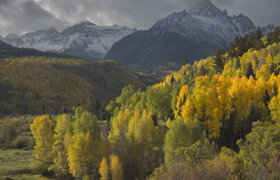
column 219, row 60
column 250, row 71
column 185, row 61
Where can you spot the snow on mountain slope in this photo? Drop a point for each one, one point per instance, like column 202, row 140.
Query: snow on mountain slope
column 244, row 24
column 195, row 34
column 205, row 19
column 85, row 40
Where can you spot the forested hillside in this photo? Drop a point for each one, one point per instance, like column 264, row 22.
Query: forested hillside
column 31, row 85
column 7, row 50
column 217, row 118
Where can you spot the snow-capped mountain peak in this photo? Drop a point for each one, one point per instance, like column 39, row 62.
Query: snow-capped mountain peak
column 244, row 24
column 195, row 34
column 85, row 39
column 206, row 8
column 206, row 21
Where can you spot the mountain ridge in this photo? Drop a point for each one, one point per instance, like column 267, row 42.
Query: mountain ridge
column 202, row 30
column 84, row 40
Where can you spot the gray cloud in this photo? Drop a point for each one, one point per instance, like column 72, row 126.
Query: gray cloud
column 29, row 15
column 262, row 12
column 19, row 16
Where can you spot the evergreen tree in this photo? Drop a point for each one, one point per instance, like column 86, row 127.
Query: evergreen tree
column 250, row 71
column 185, row 61
column 219, row 60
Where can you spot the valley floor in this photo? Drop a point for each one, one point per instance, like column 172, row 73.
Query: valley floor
column 15, row 164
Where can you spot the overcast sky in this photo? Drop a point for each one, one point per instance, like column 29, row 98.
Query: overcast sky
column 20, row 16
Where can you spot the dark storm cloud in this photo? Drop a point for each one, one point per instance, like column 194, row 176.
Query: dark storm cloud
column 262, row 12
column 29, row 15
column 4, row 2
column 144, row 13
column 18, row 16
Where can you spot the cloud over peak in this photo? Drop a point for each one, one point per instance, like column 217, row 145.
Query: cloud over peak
column 19, row 16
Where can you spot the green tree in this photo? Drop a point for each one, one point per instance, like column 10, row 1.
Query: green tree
column 83, row 152
column 126, row 93
column 185, row 62
column 145, row 139
column 62, row 140
column 85, row 122
column 180, row 134
column 82, row 155
column 159, row 101
column 260, row 152
column 218, row 60
column 250, row 71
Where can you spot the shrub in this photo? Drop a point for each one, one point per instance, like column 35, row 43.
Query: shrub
column 8, row 131
column 21, row 142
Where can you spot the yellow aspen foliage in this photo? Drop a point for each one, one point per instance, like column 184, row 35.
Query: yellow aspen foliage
column 42, row 131
column 241, row 94
column 62, row 140
column 168, row 79
column 243, row 66
column 277, row 80
column 168, row 122
column 269, row 59
column 120, row 125
column 209, row 103
column 215, row 124
column 142, row 130
column 229, row 69
column 260, row 89
column 116, row 168
column 274, row 107
column 239, row 73
column 178, row 76
column 200, row 96
column 134, row 134
column 183, row 94
column 104, row 170
column 263, row 73
column 85, row 122
column 159, row 85
column 271, row 85
column 224, row 83
column 81, row 155
column 188, row 110
column 143, row 136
